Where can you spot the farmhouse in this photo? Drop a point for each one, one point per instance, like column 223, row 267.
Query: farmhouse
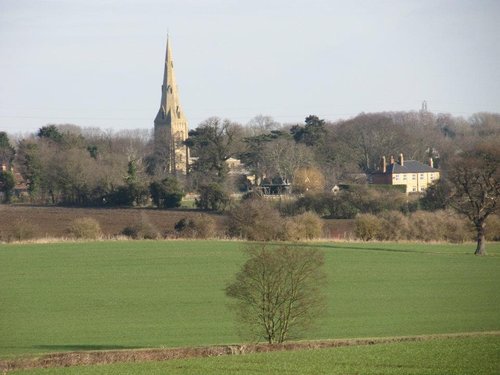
column 414, row 174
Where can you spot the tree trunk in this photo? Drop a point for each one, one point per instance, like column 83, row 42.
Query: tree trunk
column 480, row 249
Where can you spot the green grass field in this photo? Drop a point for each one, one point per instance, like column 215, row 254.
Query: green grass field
column 135, row 294
column 473, row 355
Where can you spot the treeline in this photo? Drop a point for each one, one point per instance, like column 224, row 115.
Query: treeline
column 69, row 165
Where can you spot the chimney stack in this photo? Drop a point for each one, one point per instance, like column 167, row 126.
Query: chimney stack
column 401, row 160
column 431, row 163
column 383, row 165
column 392, row 159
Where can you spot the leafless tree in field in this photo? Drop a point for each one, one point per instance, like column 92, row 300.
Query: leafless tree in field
column 475, row 179
column 279, row 291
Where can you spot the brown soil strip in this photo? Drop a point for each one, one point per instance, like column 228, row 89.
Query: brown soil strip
column 53, row 221
column 140, row 355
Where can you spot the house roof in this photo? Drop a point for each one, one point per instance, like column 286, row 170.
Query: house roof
column 410, row 166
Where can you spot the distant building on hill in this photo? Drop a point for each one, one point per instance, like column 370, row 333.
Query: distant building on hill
column 170, row 125
column 414, row 174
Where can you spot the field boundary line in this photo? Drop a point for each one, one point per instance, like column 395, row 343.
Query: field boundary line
column 101, row 357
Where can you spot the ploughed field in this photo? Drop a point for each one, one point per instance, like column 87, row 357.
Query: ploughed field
column 48, row 221
column 76, row 296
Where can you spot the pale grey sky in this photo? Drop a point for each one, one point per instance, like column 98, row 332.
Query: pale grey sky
column 99, row 63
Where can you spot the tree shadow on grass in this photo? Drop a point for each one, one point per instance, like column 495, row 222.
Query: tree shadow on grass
column 381, row 249
column 77, row 347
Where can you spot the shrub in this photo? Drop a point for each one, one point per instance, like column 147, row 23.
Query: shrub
column 199, row 226
column 353, row 200
column 7, row 185
column 439, row 226
column 456, row 228
column 255, row 220
column 493, row 228
column 128, row 195
column 120, row 196
column 166, row 193
column 212, row 197
column 373, row 200
column 341, row 208
column 85, row 228
column 306, row 226
column 435, row 196
column 142, row 230
column 317, row 203
column 367, row 227
column 395, row 226
column 333, row 206
column 24, row 230
column 426, row 226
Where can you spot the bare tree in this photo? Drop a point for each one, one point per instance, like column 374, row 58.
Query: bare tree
column 278, row 291
column 308, row 180
column 475, row 180
column 261, row 124
column 283, row 157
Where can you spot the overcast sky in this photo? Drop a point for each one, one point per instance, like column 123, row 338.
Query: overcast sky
column 99, row 63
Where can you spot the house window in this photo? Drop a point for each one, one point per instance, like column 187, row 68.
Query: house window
column 397, row 177
column 432, row 177
column 421, row 176
column 414, row 188
column 413, row 176
column 404, row 177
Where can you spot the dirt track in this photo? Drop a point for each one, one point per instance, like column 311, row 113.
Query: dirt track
column 142, row 355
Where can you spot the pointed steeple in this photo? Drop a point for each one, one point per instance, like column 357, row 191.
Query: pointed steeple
column 169, row 106
column 171, row 127
column 168, row 61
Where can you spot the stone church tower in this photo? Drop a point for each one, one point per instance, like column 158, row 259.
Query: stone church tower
column 171, row 126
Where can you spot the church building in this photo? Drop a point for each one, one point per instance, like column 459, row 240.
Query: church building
column 170, row 125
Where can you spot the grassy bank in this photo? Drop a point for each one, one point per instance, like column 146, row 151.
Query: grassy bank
column 467, row 355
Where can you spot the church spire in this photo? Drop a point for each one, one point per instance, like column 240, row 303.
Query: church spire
column 169, row 65
column 171, row 127
column 169, row 97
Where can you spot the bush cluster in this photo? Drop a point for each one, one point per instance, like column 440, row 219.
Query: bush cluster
column 141, row 230
column 212, row 197
column 351, row 201
column 200, row 226
column 85, row 228
column 255, row 219
column 306, row 226
column 419, row 226
column 493, row 228
column 24, row 230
